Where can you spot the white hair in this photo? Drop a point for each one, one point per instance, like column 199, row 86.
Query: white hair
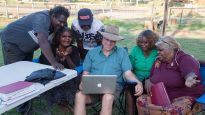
column 170, row 41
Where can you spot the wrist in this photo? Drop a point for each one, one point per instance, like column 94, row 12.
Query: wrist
column 190, row 75
column 134, row 82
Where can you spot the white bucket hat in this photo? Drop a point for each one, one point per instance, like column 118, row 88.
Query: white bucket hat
column 112, row 33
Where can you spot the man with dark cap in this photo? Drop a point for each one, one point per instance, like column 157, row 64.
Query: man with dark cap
column 85, row 29
column 22, row 37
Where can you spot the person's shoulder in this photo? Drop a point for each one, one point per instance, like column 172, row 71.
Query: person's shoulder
column 75, row 23
column 41, row 18
column 98, row 48
column 97, row 24
column 42, row 13
column 136, row 48
column 97, row 21
column 120, row 49
column 181, row 55
column 95, row 50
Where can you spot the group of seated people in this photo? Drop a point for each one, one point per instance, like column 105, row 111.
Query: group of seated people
column 154, row 59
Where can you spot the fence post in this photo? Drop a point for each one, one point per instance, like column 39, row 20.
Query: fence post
column 103, row 9
column 165, row 17
column 181, row 17
column 17, row 8
column 169, row 15
column 137, row 2
column 111, row 10
column 6, row 9
column 78, row 7
column 32, row 5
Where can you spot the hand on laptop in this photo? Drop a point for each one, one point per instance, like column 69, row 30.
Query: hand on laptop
column 138, row 89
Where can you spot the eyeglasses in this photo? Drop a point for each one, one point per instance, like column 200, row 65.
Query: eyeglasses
column 161, row 40
column 111, row 41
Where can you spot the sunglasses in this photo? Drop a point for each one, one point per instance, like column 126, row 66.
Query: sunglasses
column 161, row 40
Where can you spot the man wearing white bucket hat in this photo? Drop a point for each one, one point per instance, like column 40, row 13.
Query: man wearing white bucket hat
column 107, row 59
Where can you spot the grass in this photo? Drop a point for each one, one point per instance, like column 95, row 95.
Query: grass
column 194, row 45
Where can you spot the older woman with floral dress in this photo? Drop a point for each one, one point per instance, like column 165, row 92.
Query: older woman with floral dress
column 180, row 74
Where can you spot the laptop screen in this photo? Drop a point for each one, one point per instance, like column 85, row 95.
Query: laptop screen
column 99, row 84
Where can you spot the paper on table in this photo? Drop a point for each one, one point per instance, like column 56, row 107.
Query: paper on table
column 10, row 88
column 17, row 93
column 13, row 100
column 22, row 95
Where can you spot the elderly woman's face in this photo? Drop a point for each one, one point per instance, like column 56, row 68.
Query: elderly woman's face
column 144, row 43
column 165, row 53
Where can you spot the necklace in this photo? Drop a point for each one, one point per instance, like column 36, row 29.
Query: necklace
column 61, row 51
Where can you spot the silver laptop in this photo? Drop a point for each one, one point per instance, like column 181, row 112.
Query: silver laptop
column 99, row 84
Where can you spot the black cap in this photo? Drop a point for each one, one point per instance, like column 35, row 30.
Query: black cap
column 85, row 17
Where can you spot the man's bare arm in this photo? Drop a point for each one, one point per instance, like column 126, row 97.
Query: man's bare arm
column 46, row 49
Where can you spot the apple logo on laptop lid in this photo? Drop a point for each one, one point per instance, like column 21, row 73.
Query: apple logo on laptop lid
column 99, row 85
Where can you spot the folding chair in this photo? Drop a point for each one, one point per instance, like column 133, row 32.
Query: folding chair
column 201, row 100
column 131, row 88
column 202, row 73
column 201, row 105
column 120, row 103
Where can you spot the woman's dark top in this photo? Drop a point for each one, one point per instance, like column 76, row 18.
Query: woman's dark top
column 66, row 91
column 173, row 75
column 74, row 57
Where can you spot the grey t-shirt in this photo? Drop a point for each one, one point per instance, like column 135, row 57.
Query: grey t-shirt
column 17, row 31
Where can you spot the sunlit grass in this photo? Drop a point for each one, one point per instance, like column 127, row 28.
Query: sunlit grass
column 193, row 45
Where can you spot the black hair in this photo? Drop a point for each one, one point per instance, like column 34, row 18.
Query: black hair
column 60, row 10
column 57, row 37
column 150, row 35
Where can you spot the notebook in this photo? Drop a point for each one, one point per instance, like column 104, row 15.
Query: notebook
column 16, row 89
column 99, row 84
column 159, row 95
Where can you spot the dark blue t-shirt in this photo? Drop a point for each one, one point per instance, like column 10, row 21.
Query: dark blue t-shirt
column 17, row 31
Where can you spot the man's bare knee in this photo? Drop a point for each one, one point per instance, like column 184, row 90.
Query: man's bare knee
column 80, row 96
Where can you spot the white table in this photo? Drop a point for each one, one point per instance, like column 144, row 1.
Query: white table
column 18, row 72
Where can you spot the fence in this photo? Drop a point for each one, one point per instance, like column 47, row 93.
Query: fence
column 186, row 13
column 132, row 11
column 22, row 8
